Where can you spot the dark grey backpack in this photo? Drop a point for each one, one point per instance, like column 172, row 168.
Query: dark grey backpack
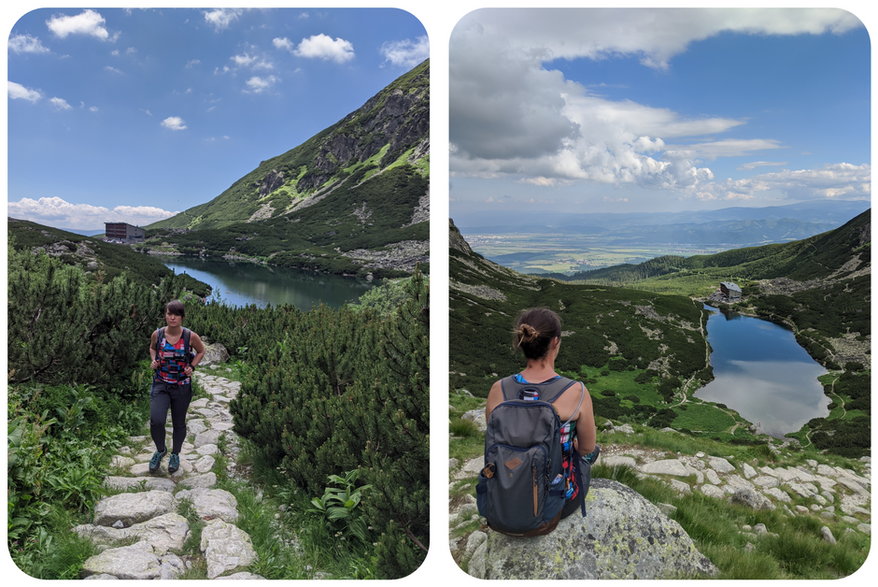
column 523, row 487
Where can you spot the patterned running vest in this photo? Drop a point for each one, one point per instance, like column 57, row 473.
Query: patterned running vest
column 172, row 360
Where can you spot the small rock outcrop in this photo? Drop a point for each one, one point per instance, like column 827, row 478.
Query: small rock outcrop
column 624, row 536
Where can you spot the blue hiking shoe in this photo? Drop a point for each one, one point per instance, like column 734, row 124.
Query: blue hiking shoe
column 156, row 460
column 173, row 463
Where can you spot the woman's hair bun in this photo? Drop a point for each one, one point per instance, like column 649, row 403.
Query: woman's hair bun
column 527, row 333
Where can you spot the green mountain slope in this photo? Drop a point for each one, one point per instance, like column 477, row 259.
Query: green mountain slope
column 353, row 198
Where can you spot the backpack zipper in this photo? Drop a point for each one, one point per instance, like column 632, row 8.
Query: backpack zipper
column 533, row 472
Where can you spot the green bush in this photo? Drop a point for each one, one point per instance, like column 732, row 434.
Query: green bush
column 75, row 345
column 340, row 391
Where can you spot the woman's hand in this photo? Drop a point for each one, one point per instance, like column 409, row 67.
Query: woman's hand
column 188, row 370
column 155, row 364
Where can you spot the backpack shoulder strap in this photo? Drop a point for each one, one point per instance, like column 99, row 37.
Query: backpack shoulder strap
column 554, row 389
column 159, row 337
column 509, row 386
column 564, row 384
column 186, row 336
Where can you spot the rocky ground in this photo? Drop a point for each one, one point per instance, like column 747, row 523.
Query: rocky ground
column 403, row 256
column 833, row 493
column 141, row 531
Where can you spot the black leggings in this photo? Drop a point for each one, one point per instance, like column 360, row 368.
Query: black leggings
column 161, row 397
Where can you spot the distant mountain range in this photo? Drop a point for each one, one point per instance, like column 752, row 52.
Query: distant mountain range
column 815, row 257
column 352, row 199
column 734, row 227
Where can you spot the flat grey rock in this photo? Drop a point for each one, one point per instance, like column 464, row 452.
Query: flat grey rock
column 711, row 490
column 203, row 480
column 136, row 561
column 131, row 508
column 163, row 533
column 211, row 503
column 665, row 467
column 618, row 461
column 207, row 437
column 720, row 465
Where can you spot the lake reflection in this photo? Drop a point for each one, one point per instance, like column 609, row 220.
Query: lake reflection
column 763, row 373
column 241, row 284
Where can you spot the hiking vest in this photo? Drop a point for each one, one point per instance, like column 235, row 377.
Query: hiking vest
column 529, row 474
column 172, row 362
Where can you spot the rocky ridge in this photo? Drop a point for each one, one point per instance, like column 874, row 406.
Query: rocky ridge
column 141, row 531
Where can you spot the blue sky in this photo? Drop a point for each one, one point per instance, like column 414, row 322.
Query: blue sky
column 632, row 110
column 130, row 115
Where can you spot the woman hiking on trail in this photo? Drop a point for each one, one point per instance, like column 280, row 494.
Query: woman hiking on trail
column 537, row 333
column 173, row 364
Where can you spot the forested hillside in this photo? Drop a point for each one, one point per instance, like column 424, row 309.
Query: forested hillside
column 96, row 257
column 335, row 392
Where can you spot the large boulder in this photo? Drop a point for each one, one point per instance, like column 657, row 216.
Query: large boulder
column 623, row 537
column 214, row 354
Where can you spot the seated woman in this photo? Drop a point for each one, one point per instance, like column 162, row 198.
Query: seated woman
column 537, row 333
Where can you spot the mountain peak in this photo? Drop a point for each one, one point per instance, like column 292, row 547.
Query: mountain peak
column 389, row 130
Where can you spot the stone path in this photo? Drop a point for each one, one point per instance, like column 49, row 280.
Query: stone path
column 141, row 531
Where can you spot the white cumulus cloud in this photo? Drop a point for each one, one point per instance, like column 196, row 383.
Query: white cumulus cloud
column 88, row 22
column 513, row 115
column 258, row 84
column 60, row 104
column 57, row 212
column 325, row 47
column 174, row 123
column 282, row 43
column 830, row 181
column 20, row 92
column 251, row 61
column 406, row 53
column 26, row 44
column 221, row 18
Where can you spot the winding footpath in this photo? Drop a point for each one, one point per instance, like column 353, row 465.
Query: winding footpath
column 142, row 532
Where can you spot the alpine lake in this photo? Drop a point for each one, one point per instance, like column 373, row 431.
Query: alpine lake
column 763, row 373
column 242, row 283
